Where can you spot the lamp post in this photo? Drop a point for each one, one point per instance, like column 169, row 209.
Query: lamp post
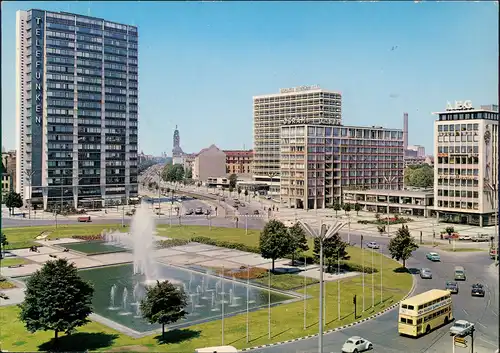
column 29, row 175
column 322, row 234
column 494, row 202
column 159, row 192
column 271, row 175
column 388, row 181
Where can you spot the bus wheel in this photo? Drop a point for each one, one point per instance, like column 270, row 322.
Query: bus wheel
column 428, row 329
column 446, row 320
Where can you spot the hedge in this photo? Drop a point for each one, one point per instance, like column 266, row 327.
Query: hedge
column 226, row 244
column 168, row 243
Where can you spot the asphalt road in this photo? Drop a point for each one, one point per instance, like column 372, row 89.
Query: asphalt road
column 383, row 330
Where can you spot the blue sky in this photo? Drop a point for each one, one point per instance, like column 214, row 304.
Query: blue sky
column 200, row 63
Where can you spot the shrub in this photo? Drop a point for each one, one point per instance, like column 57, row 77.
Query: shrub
column 168, row 243
column 226, row 244
column 88, row 237
column 353, row 267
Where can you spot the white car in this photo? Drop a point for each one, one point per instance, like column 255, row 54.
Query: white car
column 356, row 344
column 373, row 245
column 461, row 328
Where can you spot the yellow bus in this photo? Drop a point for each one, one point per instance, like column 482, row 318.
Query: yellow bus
column 424, row 312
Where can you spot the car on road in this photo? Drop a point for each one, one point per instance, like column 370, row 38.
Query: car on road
column 207, row 212
column 356, row 344
column 477, row 290
column 493, row 253
column 372, row 245
column 242, row 204
column 452, row 287
column 481, row 238
column 189, row 212
column 198, row 210
column 460, row 273
column 433, row 256
column 425, row 273
column 461, row 328
column 464, row 237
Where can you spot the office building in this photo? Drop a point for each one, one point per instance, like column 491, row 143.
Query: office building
column 239, row 162
column 77, row 109
column 466, row 163
column 319, row 162
column 418, row 150
column 9, row 162
column 209, row 163
column 304, row 104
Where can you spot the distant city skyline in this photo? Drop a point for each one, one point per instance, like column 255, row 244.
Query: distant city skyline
column 200, row 64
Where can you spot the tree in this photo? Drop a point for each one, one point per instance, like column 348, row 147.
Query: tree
column 56, row 298
column 449, row 230
column 421, row 176
column 337, row 207
column 402, row 245
column 164, row 304
column 298, row 240
column 333, row 249
column 381, row 229
column 231, row 190
column 13, row 200
column 3, row 244
column 173, row 173
column 233, row 178
column 346, row 207
column 357, row 208
column 188, row 173
column 239, row 191
column 246, row 193
column 274, row 241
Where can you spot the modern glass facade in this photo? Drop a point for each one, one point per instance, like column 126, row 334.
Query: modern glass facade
column 77, row 109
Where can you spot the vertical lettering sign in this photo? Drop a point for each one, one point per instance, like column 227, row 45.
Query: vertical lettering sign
column 38, row 71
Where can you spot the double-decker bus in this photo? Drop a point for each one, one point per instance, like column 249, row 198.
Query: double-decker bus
column 424, row 312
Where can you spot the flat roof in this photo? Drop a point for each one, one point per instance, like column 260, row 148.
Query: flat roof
column 383, row 192
column 296, row 93
column 426, row 296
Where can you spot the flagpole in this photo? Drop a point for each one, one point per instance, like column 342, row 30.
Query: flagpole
column 373, row 284
column 269, row 307
column 305, row 293
column 338, row 284
column 248, row 286
column 222, row 303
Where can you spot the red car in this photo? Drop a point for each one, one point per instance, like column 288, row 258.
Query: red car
column 85, row 219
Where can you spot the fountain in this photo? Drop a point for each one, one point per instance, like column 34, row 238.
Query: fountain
column 215, row 307
column 234, row 287
column 135, row 294
column 138, row 313
column 232, row 299
column 112, row 295
column 125, row 302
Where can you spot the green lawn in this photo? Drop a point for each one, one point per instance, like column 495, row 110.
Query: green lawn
column 23, row 237
column 286, row 320
column 12, row 261
column 285, row 281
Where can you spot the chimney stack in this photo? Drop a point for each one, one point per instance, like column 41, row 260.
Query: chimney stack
column 405, row 131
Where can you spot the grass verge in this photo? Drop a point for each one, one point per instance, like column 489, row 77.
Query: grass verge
column 24, row 237
column 12, row 262
column 463, row 249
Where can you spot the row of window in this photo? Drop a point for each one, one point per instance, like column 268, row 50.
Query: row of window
column 458, row 205
column 456, row 171
column 458, row 182
column 458, row 149
column 457, row 193
column 468, row 116
column 461, row 138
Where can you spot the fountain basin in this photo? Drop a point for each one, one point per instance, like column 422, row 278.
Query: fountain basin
column 200, row 310
column 93, row 247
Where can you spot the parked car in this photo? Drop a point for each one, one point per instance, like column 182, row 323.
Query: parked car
column 464, row 237
column 198, row 210
column 452, row 287
column 477, row 290
column 85, row 219
column 461, row 328
column 372, row 245
column 356, row 344
column 189, row 212
column 481, row 238
column 425, row 273
column 452, row 236
column 207, row 212
column 433, row 256
column 256, row 212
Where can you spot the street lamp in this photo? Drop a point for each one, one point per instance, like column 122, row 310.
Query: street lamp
column 29, row 175
column 493, row 190
column 321, row 234
column 388, row 181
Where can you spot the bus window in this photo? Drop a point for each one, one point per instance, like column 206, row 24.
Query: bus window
column 410, row 307
column 404, row 306
column 409, row 321
column 403, row 320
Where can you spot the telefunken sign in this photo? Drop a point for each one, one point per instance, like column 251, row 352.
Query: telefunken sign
column 299, row 89
column 38, row 71
column 459, row 105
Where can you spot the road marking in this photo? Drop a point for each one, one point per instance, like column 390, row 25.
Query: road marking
column 466, row 313
column 481, row 324
column 487, row 341
column 494, row 313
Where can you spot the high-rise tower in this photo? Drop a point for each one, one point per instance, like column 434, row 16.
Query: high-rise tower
column 77, row 109
column 177, row 150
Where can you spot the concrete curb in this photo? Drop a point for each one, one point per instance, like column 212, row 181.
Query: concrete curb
column 392, row 307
